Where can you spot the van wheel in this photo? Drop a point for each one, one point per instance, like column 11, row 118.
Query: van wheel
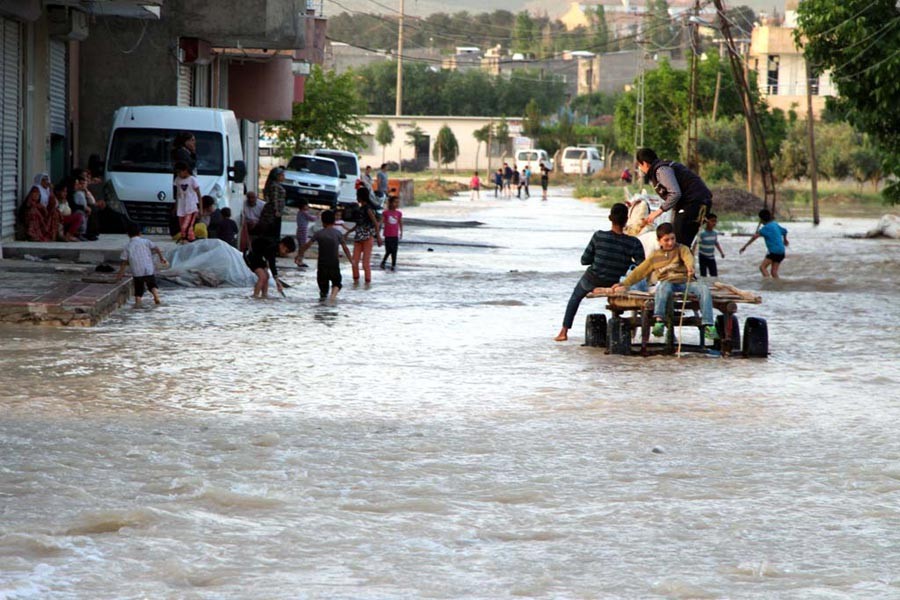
column 595, row 330
column 756, row 338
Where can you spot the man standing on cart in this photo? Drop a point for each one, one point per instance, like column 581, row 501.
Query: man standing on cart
column 608, row 255
column 681, row 190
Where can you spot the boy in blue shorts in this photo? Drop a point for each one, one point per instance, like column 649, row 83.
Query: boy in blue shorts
column 776, row 240
column 708, row 241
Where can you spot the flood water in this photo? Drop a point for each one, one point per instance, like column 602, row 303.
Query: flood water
column 425, row 437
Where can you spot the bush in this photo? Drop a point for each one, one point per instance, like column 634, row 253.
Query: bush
column 716, row 172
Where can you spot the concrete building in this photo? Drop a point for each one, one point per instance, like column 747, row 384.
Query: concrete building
column 614, row 72
column 781, row 68
column 463, row 129
column 66, row 65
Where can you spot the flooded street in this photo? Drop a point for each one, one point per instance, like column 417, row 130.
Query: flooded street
column 425, row 437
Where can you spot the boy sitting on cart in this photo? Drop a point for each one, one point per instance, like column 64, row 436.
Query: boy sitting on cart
column 673, row 265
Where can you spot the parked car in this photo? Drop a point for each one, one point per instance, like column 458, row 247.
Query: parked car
column 534, row 159
column 348, row 165
column 581, row 160
column 315, row 179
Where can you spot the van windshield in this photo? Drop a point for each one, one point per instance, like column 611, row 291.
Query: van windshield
column 310, row 164
column 138, row 150
column 347, row 164
column 528, row 156
column 575, row 154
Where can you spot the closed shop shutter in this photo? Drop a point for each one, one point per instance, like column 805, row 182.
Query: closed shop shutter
column 58, row 68
column 185, row 85
column 201, row 85
column 10, row 102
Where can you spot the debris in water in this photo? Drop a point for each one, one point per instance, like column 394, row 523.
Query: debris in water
column 658, row 450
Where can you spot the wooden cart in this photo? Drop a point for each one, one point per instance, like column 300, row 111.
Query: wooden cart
column 618, row 333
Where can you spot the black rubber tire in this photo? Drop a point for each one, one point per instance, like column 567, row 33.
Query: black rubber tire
column 735, row 333
column 756, row 338
column 595, row 330
column 619, row 336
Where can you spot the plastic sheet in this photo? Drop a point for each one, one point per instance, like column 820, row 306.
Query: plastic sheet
column 208, row 262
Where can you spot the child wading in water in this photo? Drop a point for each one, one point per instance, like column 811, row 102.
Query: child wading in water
column 776, row 240
column 139, row 255
column 328, row 266
column 708, row 241
column 673, row 265
column 187, row 196
column 475, row 185
column 393, row 231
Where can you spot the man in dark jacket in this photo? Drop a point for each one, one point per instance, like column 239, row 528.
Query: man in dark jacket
column 681, row 189
column 608, row 257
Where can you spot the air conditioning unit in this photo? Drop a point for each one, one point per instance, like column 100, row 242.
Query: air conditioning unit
column 67, row 23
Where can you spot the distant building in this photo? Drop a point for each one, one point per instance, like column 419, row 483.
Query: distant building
column 614, row 72
column 781, row 68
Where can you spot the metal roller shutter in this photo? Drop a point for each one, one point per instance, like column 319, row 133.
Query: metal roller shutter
column 58, row 67
column 10, row 101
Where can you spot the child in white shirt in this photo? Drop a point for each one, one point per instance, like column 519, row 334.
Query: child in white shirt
column 187, row 196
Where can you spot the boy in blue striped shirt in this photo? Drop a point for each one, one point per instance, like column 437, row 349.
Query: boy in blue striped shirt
column 708, row 241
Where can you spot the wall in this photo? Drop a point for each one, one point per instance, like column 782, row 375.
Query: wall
column 462, row 127
column 147, row 75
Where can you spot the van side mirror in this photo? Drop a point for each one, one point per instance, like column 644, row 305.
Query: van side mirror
column 343, row 176
column 238, row 172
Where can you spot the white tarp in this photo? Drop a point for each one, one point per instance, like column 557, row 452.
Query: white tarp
column 888, row 226
column 208, row 262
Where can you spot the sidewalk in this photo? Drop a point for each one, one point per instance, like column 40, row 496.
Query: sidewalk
column 54, row 283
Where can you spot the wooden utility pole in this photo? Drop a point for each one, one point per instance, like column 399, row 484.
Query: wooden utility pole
column 747, row 131
column 399, row 107
column 813, row 166
column 693, row 162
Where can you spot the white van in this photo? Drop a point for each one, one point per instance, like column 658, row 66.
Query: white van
column 139, row 159
column 534, row 159
column 581, row 160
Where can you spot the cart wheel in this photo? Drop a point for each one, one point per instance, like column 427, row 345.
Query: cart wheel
column 756, row 338
column 619, row 336
column 595, row 330
column 735, row 333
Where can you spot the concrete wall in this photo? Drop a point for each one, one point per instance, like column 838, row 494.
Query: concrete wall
column 462, row 127
column 110, row 78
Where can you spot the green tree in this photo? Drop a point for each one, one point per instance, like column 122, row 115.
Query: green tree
column 502, row 137
column 866, row 165
column 446, row 148
column 600, row 37
column 384, row 135
column 857, row 40
column 483, row 136
column 523, row 37
column 661, row 30
column 328, row 116
column 531, row 122
column 565, row 130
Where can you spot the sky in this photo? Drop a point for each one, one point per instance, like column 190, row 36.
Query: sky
column 554, row 8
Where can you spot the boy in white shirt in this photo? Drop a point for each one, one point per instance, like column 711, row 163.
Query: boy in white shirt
column 139, row 255
column 187, row 196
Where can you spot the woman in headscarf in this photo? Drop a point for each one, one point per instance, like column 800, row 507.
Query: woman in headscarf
column 40, row 211
column 184, row 149
column 270, row 217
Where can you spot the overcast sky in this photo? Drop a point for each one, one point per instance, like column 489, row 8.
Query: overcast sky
column 554, row 8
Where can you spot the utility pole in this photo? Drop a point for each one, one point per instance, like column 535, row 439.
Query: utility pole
column 639, row 109
column 747, row 132
column 693, row 162
column 718, row 85
column 813, row 166
column 399, row 108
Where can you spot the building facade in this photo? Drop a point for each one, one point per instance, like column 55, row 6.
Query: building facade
column 66, row 66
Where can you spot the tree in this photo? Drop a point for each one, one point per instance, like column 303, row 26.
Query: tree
column 661, row 31
column 483, row 136
column 419, row 141
column 523, row 36
column 502, row 136
column 328, row 116
column 531, row 122
column 384, row 135
column 857, row 41
column 600, row 41
column 446, row 148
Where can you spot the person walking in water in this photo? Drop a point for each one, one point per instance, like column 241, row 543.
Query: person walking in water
column 328, row 265
column 475, row 186
column 365, row 233
column 682, row 191
column 608, row 255
column 545, row 181
column 776, row 240
column 393, row 231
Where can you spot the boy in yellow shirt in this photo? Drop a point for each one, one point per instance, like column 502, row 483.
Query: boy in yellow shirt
column 673, row 264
